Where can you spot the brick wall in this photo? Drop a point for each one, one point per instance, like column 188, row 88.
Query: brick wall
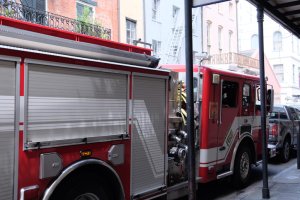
column 106, row 12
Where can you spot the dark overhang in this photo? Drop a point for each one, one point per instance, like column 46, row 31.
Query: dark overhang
column 285, row 12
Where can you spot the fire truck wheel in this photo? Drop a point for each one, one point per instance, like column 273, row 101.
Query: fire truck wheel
column 242, row 167
column 82, row 188
column 285, row 151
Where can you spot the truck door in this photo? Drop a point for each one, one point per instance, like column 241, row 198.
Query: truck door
column 228, row 123
column 294, row 114
column 7, row 128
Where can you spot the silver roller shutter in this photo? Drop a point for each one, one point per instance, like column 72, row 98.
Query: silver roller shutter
column 69, row 104
column 149, row 133
column 7, row 128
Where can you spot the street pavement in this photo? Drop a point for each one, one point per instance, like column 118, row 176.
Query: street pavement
column 283, row 186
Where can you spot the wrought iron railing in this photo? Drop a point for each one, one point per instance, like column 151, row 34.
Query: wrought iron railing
column 18, row 11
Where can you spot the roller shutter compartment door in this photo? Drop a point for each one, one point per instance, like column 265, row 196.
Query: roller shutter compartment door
column 7, row 128
column 149, row 133
column 70, row 104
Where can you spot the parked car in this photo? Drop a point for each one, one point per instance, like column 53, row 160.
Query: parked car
column 284, row 127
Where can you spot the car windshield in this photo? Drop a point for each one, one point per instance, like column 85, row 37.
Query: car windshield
column 278, row 113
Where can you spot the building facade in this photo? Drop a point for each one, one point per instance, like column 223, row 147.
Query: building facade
column 164, row 30
column 131, row 21
column 281, row 47
column 97, row 12
column 220, row 28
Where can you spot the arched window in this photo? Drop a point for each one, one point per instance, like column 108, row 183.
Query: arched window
column 277, row 41
column 254, row 41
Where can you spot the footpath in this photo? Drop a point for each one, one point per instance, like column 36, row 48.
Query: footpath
column 283, row 186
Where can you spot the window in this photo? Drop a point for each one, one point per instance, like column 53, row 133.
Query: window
column 293, row 73
column 175, row 12
column 155, row 6
column 220, row 8
column 130, row 31
column 85, row 12
column 294, row 114
column 31, row 15
column 156, row 47
column 175, row 15
column 220, row 28
column 230, row 9
column 254, row 41
column 194, row 56
column 208, row 50
column 246, row 95
column 230, row 41
column 278, row 113
column 277, row 41
column 35, row 4
column 278, row 70
column 229, row 94
column 208, row 30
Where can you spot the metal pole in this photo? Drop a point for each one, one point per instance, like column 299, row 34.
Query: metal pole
column 298, row 149
column 190, row 99
column 260, row 19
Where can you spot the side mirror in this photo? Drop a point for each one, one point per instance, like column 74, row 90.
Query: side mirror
column 258, row 94
column 270, row 100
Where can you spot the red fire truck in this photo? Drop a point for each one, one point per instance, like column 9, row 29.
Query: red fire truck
column 227, row 110
column 85, row 118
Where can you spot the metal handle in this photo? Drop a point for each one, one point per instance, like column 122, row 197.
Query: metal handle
column 221, row 105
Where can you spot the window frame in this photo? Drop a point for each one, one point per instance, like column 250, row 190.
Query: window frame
column 229, row 94
column 156, row 47
column 155, row 10
column 132, row 36
column 277, row 41
column 91, row 7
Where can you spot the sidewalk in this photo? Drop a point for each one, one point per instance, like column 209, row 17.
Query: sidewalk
column 283, row 186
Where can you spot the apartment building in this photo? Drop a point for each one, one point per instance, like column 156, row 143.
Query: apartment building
column 281, row 48
column 220, row 28
column 164, row 30
column 98, row 12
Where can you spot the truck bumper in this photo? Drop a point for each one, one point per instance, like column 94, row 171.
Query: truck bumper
column 272, row 150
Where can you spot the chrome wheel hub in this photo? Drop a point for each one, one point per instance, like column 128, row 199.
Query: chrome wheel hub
column 244, row 165
column 87, row 196
column 286, row 150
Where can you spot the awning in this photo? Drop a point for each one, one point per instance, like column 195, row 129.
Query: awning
column 285, row 12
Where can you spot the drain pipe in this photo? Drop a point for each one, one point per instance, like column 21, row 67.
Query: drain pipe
column 260, row 19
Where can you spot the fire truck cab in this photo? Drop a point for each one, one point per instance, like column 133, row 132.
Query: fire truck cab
column 227, row 122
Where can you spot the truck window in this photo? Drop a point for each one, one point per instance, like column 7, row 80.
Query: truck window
column 294, row 115
column 278, row 113
column 246, row 95
column 298, row 113
column 229, row 94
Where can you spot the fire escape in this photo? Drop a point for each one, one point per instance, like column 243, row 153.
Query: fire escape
column 172, row 55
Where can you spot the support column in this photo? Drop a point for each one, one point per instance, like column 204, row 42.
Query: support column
column 190, row 99
column 260, row 19
column 298, row 148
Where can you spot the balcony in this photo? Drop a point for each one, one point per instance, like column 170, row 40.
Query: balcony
column 233, row 58
column 18, row 11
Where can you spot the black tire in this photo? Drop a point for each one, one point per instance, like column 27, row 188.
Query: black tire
column 82, row 188
column 242, row 168
column 285, row 152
